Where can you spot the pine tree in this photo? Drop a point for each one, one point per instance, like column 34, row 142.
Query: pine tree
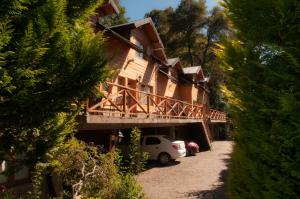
column 120, row 18
column 50, row 60
column 262, row 63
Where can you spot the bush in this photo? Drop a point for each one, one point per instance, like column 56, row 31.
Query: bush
column 129, row 188
column 86, row 172
column 137, row 158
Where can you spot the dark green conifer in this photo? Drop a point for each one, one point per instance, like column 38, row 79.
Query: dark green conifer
column 50, row 60
column 262, row 63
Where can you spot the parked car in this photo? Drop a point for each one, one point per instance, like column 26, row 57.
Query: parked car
column 158, row 147
column 191, row 148
column 162, row 148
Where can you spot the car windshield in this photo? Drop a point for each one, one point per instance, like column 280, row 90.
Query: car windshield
column 168, row 138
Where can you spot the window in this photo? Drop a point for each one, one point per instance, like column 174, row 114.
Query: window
column 152, row 141
column 140, row 54
column 142, row 139
column 142, row 96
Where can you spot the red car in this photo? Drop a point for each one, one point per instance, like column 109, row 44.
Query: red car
column 191, row 148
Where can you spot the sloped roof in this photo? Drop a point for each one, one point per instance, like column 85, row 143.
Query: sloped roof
column 139, row 23
column 149, row 27
column 172, row 61
column 192, row 70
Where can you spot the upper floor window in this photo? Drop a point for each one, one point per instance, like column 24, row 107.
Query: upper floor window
column 142, row 47
column 142, row 95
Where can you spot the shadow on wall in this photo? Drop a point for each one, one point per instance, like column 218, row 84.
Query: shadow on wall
column 217, row 191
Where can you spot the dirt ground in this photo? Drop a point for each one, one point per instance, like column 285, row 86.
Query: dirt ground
column 195, row 177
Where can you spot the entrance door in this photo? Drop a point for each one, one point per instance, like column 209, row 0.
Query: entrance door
column 132, row 84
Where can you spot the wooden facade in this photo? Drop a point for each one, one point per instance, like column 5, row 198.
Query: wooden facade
column 147, row 89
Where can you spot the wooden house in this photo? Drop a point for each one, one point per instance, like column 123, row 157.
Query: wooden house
column 147, row 90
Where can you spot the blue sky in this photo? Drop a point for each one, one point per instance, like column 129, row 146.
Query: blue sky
column 136, row 9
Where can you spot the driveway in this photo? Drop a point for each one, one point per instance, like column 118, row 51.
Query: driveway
column 195, row 177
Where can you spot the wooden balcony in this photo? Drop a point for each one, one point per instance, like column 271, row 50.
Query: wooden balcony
column 120, row 106
column 217, row 116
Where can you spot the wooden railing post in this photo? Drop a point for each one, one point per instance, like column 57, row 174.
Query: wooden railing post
column 148, row 105
column 166, row 111
column 86, row 106
column 124, row 101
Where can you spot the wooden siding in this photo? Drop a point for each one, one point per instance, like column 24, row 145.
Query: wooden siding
column 186, row 93
column 144, row 71
column 167, row 87
column 127, row 63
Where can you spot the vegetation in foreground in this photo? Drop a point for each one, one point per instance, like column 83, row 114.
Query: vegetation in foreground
column 262, row 61
column 76, row 169
column 50, row 60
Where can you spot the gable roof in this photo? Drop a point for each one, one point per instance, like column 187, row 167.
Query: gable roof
column 192, row 70
column 173, row 61
column 149, row 27
column 107, row 30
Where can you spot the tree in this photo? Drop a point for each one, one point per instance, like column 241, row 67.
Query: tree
column 50, row 60
column 116, row 19
column 262, row 62
column 188, row 19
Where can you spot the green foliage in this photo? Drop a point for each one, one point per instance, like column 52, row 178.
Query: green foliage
column 8, row 196
column 129, row 188
column 85, row 171
column 191, row 33
column 116, row 19
column 50, row 60
column 262, row 63
column 137, row 158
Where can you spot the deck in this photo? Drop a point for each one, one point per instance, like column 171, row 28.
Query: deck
column 122, row 107
column 121, row 102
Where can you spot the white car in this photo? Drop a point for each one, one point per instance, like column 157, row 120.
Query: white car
column 162, row 148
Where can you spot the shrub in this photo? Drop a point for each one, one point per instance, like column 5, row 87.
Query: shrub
column 86, row 172
column 137, row 158
column 129, row 188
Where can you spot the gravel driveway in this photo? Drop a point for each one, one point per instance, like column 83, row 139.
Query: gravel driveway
column 195, row 177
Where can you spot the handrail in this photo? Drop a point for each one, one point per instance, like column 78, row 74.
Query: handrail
column 155, row 95
column 121, row 101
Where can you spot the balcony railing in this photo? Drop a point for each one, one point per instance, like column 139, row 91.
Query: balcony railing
column 217, row 115
column 124, row 102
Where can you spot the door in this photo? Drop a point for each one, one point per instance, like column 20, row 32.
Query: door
column 132, row 84
column 152, row 147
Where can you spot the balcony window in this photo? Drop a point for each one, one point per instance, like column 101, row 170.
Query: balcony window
column 142, row 96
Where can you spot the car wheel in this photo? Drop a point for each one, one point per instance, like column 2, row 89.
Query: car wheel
column 164, row 158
